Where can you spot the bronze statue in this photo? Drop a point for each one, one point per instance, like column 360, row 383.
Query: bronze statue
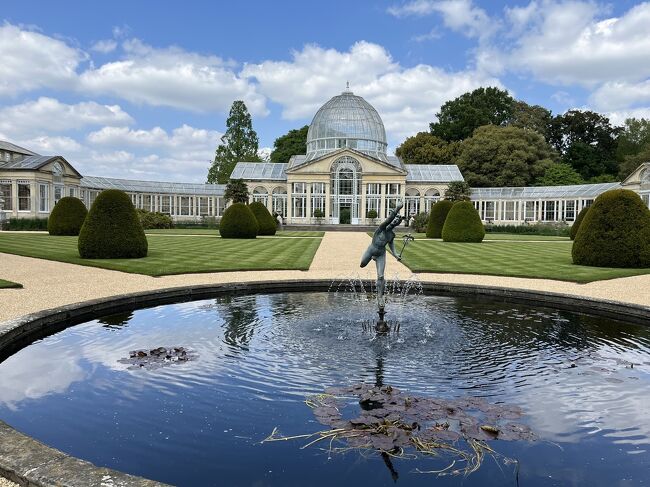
column 376, row 251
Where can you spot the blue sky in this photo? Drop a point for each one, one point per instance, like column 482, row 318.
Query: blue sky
column 142, row 89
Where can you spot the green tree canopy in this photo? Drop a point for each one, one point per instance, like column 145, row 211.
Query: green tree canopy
column 293, row 142
column 458, row 118
column 236, row 191
column 425, row 148
column 559, row 174
column 586, row 141
column 239, row 143
column 530, row 117
column 630, row 163
column 633, row 145
column 504, row 156
column 458, row 191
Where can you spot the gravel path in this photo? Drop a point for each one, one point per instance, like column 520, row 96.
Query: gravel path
column 48, row 284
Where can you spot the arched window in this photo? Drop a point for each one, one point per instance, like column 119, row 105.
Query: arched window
column 430, row 197
column 412, row 202
column 261, row 195
column 345, row 174
column 279, row 200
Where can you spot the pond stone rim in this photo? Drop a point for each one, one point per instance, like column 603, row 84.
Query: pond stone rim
column 29, row 462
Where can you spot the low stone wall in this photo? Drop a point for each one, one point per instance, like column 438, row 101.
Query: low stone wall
column 31, row 463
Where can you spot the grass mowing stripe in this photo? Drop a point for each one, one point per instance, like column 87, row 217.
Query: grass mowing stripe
column 506, row 258
column 177, row 256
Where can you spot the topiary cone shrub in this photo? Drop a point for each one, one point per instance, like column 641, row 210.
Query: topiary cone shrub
column 238, row 221
column 67, row 217
column 463, row 224
column 615, row 232
column 437, row 218
column 266, row 222
column 112, row 229
column 576, row 224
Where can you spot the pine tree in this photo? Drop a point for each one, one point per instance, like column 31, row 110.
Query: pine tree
column 239, row 143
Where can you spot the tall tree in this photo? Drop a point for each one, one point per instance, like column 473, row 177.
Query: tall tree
column 291, row 143
column 425, row 148
column 504, row 156
column 458, row 191
column 633, row 140
column 631, row 162
column 586, row 141
column 239, row 143
column 236, row 191
column 530, row 117
column 559, row 174
column 458, row 118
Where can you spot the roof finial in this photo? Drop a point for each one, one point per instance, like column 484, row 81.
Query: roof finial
column 347, row 87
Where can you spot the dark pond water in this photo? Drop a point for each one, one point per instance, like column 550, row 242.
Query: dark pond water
column 259, row 356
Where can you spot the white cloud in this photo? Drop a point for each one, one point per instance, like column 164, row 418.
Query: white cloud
column 180, row 155
column 172, row 77
column 50, row 115
column 406, row 98
column 429, row 36
column 619, row 94
column 52, row 145
column 618, row 117
column 105, row 46
column 31, row 60
column 458, row 15
column 570, row 43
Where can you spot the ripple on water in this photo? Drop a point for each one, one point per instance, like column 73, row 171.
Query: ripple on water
column 260, row 355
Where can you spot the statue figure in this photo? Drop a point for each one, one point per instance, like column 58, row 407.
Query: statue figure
column 376, row 251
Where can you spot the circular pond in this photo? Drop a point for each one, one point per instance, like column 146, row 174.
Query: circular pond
column 469, row 392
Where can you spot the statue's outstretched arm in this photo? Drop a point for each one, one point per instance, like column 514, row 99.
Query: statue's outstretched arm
column 391, row 216
column 391, row 245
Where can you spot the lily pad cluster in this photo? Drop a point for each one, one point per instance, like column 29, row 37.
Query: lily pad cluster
column 158, row 357
column 390, row 422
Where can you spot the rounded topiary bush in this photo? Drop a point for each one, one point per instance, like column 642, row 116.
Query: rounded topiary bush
column 437, row 218
column 267, row 224
column 238, row 221
column 67, row 217
column 576, row 224
column 463, row 224
column 615, row 232
column 112, row 229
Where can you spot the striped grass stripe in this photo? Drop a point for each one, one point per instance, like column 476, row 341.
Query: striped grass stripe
column 546, row 260
column 177, row 255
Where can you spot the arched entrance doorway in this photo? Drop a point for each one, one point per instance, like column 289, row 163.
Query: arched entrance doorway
column 346, row 190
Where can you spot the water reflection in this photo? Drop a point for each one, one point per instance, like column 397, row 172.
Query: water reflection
column 260, row 355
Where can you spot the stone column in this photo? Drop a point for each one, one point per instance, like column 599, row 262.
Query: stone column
column 328, row 201
column 308, row 214
column 382, row 206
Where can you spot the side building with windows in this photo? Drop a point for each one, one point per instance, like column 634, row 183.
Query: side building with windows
column 31, row 184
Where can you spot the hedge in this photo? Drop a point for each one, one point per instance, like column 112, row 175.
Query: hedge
column 578, row 222
column 112, row 229
column 615, row 232
column 67, row 217
column 437, row 218
column 463, row 224
column 154, row 219
column 238, row 221
column 420, row 222
column 548, row 229
column 23, row 224
column 267, row 224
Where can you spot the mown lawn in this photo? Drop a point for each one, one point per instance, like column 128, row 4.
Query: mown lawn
column 215, row 232
column 8, row 284
column 176, row 255
column 549, row 260
column 497, row 236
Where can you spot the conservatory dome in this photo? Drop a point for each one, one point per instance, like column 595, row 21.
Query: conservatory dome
column 350, row 121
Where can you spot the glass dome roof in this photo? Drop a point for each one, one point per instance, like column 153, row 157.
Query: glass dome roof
column 350, row 121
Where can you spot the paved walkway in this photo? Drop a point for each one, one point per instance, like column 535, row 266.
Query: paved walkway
column 48, row 284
